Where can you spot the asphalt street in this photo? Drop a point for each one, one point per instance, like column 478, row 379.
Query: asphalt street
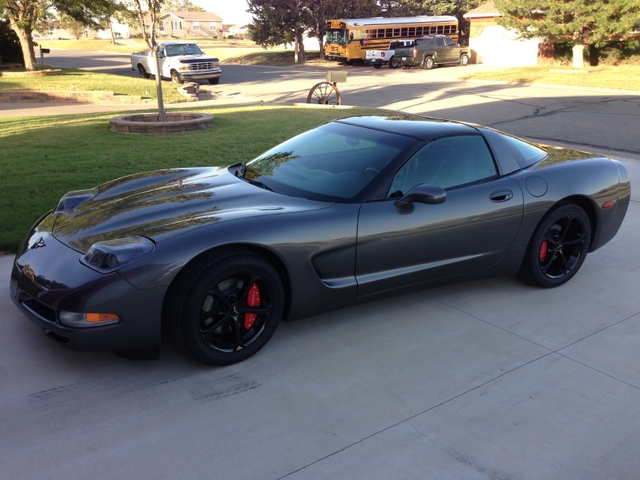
column 492, row 379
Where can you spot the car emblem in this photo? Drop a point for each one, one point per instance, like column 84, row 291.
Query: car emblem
column 38, row 244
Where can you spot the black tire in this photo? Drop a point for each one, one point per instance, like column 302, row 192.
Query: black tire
column 464, row 59
column 175, row 77
column 209, row 312
column 143, row 73
column 377, row 65
column 558, row 247
column 393, row 63
column 428, row 63
column 214, row 81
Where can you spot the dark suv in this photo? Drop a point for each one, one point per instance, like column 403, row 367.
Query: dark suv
column 431, row 51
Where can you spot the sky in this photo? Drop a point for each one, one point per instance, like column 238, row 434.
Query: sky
column 231, row 11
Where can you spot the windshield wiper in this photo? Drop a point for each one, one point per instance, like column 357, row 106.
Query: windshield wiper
column 259, row 184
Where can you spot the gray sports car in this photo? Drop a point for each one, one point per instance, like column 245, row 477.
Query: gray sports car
column 348, row 212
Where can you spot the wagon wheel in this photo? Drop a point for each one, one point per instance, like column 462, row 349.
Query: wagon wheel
column 324, row 93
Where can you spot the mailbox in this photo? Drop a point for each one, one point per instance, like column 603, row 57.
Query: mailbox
column 333, row 77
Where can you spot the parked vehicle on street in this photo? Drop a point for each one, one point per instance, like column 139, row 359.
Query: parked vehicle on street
column 179, row 61
column 432, row 51
column 348, row 212
column 377, row 58
column 348, row 39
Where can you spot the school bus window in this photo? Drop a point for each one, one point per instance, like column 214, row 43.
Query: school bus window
column 396, row 32
column 419, row 31
column 412, row 31
column 389, row 33
column 433, row 30
column 453, row 29
column 446, row 29
column 440, row 28
column 403, row 32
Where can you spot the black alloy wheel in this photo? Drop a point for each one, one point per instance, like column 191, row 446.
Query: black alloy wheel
column 225, row 310
column 558, row 247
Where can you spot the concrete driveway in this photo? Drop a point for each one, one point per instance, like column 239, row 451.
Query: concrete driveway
column 491, row 379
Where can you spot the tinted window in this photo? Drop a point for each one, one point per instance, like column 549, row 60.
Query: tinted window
column 332, row 162
column 526, row 153
column 446, row 162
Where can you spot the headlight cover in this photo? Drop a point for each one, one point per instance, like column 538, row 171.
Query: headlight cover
column 72, row 200
column 108, row 256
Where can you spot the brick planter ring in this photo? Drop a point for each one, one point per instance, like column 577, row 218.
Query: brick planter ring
column 149, row 123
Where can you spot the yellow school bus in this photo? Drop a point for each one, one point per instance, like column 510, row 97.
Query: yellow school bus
column 348, row 39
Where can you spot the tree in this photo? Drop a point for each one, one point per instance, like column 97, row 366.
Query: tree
column 279, row 21
column 287, row 21
column 584, row 22
column 76, row 28
column 23, row 15
column 148, row 11
column 181, row 6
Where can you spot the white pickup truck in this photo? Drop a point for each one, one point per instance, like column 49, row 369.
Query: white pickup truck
column 377, row 58
column 179, row 61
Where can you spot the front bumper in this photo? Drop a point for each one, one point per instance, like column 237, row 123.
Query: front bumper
column 195, row 75
column 47, row 278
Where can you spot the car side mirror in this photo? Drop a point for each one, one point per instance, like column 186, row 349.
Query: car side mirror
column 423, row 193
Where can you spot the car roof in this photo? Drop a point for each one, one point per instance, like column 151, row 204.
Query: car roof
column 422, row 128
column 177, row 42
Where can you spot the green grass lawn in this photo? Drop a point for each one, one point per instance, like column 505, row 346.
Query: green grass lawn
column 84, row 80
column 44, row 157
column 617, row 77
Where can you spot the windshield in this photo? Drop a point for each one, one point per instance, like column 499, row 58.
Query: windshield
column 183, row 49
column 334, row 162
column 336, row 36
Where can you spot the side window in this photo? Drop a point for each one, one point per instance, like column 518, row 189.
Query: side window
column 446, row 162
column 448, row 42
column 440, row 42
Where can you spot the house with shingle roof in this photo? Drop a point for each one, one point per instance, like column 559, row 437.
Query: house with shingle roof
column 190, row 25
column 492, row 44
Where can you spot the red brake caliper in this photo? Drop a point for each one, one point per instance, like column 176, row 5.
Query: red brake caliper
column 253, row 300
column 543, row 250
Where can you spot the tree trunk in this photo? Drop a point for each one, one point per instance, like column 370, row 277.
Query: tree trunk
column 321, row 43
column 26, row 43
column 302, row 55
column 162, row 116
column 113, row 35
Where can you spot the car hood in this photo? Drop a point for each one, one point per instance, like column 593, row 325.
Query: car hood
column 165, row 203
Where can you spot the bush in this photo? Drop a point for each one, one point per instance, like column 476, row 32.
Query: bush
column 617, row 52
column 10, row 50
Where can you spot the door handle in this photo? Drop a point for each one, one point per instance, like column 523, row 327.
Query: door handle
column 501, row 196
